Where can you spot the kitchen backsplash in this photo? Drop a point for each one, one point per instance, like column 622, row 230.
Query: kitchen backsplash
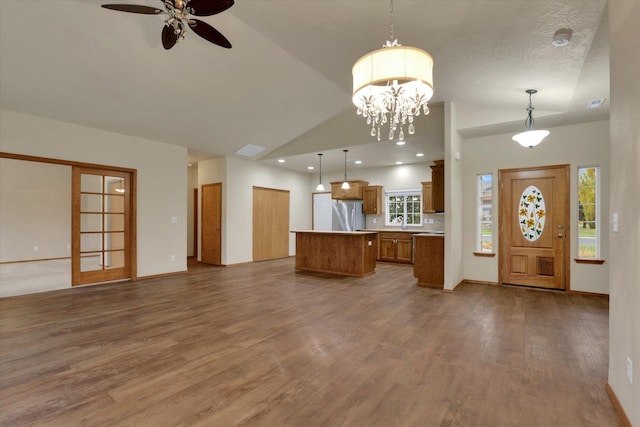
column 430, row 222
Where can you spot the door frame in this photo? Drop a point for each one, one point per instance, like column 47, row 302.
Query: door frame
column 566, row 261
column 133, row 255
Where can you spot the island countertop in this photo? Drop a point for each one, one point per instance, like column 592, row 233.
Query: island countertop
column 351, row 253
column 414, row 232
column 359, row 232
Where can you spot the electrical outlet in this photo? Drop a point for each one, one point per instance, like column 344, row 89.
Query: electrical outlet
column 68, row 247
column 629, row 370
column 172, row 258
column 375, row 220
column 35, row 249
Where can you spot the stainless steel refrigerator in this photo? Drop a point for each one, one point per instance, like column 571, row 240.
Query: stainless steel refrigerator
column 347, row 216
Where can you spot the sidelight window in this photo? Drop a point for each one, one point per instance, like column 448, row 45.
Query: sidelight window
column 588, row 213
column 404, row 208
column 484, row 217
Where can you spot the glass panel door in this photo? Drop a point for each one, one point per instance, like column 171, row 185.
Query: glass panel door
column 101, row 223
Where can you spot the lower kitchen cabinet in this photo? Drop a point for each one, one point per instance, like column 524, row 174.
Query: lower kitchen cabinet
column 428, row 266
column 395, row 247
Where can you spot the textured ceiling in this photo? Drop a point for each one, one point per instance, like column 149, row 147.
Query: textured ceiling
column 285, row 84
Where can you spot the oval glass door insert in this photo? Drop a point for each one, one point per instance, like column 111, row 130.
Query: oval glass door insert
column 531, row 213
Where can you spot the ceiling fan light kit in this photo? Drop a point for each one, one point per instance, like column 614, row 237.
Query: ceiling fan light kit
column 530, row 138
column 393, row 85
column 178, row 12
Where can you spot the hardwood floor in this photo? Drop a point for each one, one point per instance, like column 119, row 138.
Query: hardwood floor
column 259, row 345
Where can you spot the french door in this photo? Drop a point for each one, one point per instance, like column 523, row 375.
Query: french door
column 102, row 229
column 534, row 227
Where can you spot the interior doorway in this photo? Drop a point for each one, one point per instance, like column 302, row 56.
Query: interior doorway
column 534, row 223
column 102, row 225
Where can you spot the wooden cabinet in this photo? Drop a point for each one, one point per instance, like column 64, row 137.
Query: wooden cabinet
column 347, row 253
column 437, row 185
column 427, row 198
column 353, row 193
column 372, row 200
column 428, row 265
column 395, row 247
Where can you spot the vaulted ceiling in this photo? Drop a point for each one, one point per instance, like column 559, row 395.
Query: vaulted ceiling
column 286, row 83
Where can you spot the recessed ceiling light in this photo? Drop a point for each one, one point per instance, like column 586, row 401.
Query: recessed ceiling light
column 280, row 160
column 400, row 143
column 420, row 155
column 596, row 103
column 190, row 164
column 562, row 37
column 398, row 163
column 357, row 162
column 310, row 168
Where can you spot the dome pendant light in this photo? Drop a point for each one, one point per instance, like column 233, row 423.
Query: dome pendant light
column 320, row 187
column 345, row 184
column 530, row 138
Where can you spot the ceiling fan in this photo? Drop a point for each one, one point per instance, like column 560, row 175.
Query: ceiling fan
column 178, row 12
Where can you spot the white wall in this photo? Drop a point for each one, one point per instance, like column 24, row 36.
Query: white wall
column 35, row 210
column 624, row 277
column 391, row 177
column 238, row 178
column 453, row 200
column 584, row 144
column 161, row 186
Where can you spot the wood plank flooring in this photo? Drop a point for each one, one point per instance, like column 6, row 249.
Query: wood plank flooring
column 259, row 345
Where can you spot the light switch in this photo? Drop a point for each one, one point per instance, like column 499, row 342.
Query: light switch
column 174, row 220
column 614, row 223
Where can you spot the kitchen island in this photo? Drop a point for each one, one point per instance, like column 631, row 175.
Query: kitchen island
column 350, row 253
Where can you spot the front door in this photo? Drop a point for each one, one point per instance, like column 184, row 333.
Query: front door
column 534, row 227
column 102, row 232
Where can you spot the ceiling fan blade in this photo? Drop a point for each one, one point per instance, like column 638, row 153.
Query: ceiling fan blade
column 133, row 8
column 169, row 37
column 209, row 33
column 209, row 7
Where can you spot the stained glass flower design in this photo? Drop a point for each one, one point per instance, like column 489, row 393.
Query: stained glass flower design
column 532, row 213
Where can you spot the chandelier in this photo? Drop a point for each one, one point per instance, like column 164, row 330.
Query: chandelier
column 393, row 85
column 530, row 138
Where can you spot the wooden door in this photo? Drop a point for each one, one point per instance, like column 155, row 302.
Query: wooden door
column 534, row 227
column 195, row 223
column 211, row 241
column 103, row 235
column 270, row 224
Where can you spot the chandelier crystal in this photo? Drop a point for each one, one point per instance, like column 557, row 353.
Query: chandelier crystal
column 530, row 138
column 393, row 85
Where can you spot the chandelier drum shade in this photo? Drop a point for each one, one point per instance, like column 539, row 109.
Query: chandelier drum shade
column 393, row 85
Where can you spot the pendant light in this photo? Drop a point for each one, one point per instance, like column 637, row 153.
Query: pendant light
column 393, row 85
column 345, row 184
column 320, row 187
column 530, row 138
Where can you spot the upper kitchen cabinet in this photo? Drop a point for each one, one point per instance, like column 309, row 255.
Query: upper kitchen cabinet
column 427, row 197
column 355, row 192
column 437, row 185
column 372, row 200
